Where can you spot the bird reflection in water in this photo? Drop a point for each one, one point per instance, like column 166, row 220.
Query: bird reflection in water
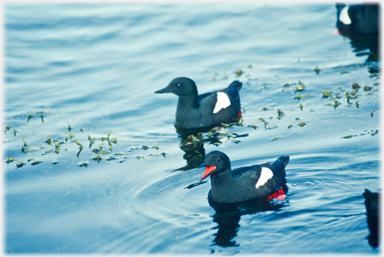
column 228, row 216
column 192, row 141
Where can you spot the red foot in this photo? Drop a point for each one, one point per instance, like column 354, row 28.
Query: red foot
column 239, row 115
column 279, row 195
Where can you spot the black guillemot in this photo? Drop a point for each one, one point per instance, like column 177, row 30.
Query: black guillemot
column 201, row 111
column 245, row 183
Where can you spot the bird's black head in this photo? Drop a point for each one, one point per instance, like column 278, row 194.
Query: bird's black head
column 181, row 86
column 216, row 162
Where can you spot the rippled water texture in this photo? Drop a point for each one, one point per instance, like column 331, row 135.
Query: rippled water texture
column 118, row 178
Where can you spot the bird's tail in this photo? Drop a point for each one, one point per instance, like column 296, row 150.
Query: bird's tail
column 237, row 84
column 284, row 161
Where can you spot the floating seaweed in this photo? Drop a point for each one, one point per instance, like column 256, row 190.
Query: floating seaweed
column 327, row 94
column 30, row 117
column 8, row 160
column 302, row 124
column 83, row 164
column 6, row 128
column 97, row 158
column 355, row 86
column 77, row 142
column 123, row 158
column 36, row 162
column 348, row 97
column 298, row 96
column 81, row 148
column 111, row 158
column 19, row 164
column 335, row 104
column 42, row 117
column 374, row 132
column 91, row 141
column 349, row 136
column 280, row 114
column 48, row 151
column 301, row 87
column 265, row 122
column 317, row 70
column 275, row 138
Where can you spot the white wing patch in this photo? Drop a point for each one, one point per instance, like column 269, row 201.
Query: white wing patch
column 344, row 17
column 222, row 102
column 265, row 175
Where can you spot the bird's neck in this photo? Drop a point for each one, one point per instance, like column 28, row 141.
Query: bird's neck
column 188, row 101
column 221, row 180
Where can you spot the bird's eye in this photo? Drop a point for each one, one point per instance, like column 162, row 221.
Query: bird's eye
column 218, row 160
column 178, row 85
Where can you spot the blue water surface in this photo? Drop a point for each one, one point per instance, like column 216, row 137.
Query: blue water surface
column 80, row 71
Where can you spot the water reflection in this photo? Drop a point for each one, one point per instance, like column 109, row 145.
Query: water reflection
column 192, row 141
column 372, row 206
column 228, row 216
column 360, row 43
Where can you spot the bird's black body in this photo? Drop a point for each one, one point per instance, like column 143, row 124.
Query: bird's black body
column 358, row 18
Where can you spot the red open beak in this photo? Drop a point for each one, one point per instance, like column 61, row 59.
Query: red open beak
column 208, row 170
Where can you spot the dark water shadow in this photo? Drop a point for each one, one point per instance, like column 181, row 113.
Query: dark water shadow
column 228, row 216
column 192, row 141
column 369, row 42
column 372, row 205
